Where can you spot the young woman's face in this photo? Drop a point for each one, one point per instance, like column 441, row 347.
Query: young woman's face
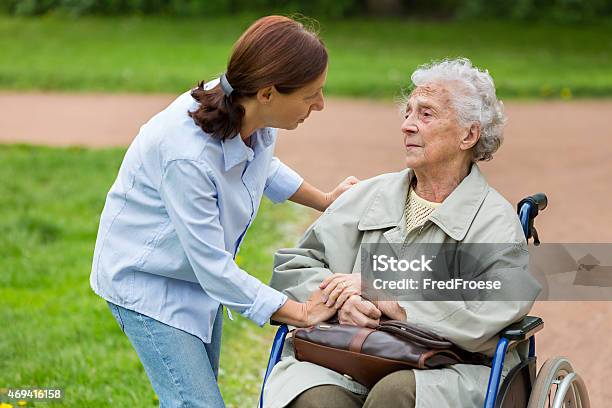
column 287, row 111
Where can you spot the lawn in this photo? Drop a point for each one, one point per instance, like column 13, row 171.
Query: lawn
column 371, row 58
column 55, row 330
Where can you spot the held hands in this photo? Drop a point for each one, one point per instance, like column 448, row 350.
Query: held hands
column 337, row 288
column 354, row 310
column 339, row 293
column 343, row 291
column 315, row 309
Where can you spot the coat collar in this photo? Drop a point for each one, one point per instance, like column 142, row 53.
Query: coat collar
column 454, row 216
column 236, row 152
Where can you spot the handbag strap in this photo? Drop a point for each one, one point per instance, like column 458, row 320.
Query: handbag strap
column 359, row 338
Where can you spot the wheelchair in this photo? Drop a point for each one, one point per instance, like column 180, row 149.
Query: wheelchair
column 556, row 385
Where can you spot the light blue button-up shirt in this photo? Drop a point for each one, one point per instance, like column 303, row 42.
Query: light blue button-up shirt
column 175, row 217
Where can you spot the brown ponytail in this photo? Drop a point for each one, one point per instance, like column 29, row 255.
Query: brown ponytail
column 275, row 50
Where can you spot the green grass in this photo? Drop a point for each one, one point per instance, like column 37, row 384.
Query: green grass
column 372, row 58
column 55, row 330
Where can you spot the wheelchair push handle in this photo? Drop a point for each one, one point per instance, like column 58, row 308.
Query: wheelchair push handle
column 537, row 202
column 528, row 208
column 540, row 200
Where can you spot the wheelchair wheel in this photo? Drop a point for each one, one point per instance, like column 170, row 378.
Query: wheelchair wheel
column 558, row 386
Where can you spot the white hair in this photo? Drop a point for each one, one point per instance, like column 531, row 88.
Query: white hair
column 473, row 99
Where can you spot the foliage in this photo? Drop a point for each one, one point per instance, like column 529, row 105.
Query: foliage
column 566, row 11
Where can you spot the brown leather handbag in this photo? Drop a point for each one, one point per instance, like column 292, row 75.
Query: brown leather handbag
column 367, row 355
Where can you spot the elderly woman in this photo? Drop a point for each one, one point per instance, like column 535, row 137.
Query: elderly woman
column 452, row 120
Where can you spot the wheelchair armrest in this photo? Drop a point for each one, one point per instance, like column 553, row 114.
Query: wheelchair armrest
column 523, row 329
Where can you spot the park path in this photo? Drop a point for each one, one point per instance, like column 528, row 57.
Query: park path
column 561, row 148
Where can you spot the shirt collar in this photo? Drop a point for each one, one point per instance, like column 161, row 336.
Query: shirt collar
column 454, row 216
column 235, row 151
column 458, row 211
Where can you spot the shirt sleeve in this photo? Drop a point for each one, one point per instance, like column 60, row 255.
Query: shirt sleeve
column 190, row 197
column 282, row 181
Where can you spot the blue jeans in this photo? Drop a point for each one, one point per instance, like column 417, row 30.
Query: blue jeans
column 183, row 370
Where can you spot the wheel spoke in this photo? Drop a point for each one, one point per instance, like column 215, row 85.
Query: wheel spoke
column 562, row 390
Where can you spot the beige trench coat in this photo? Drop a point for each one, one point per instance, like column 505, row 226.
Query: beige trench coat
column 373, row 211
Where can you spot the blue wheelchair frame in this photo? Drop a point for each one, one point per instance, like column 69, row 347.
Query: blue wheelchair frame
column 527, row 210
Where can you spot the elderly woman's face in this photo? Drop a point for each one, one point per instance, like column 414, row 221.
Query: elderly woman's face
column 431, row 130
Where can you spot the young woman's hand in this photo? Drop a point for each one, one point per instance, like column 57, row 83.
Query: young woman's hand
column 312, row 197
column 340, row 188
column 316, row 309
column 305, row 314
column 337, row 288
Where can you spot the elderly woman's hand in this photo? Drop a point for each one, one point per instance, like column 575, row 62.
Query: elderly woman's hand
column 359, row 312
column 391, row 309
column 337, row 288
